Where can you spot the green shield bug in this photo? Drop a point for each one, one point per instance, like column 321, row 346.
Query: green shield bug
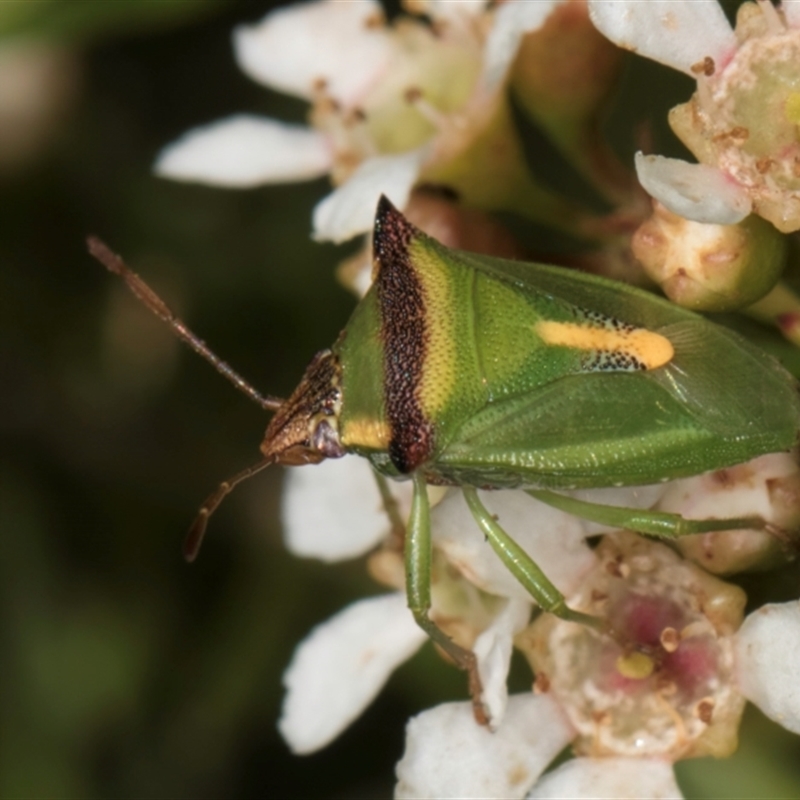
column 464, row 370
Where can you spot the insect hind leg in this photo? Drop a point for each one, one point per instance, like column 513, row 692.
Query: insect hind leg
column 523, row 567
column 655, row 523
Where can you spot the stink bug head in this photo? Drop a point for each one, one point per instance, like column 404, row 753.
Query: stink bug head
column 303, row 431
column 305, row 428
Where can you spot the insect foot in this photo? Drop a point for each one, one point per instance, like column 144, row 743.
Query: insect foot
column 663, row 685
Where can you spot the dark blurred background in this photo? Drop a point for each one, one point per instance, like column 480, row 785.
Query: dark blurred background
column 125, row 672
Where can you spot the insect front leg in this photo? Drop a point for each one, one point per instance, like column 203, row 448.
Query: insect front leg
column 522, row 566
column 418, row 556
column 656, row 523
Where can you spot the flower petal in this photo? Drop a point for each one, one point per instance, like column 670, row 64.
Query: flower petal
column 745, row 490
column 791, row 10
column 350, row 210
column 612, row 778
column 764, row 487
column 294, row 49
column 694, row 191
column 339, row 668
column 678, row 33
column 445, row 10
column 244, row 151
column 449, row 755
column 493, row 650
column 767, row 655
column 554, row 539
column 333, row 510
column 511, row 22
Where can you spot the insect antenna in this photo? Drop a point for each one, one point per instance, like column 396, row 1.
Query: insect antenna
column 194, row 538
column 113, row 263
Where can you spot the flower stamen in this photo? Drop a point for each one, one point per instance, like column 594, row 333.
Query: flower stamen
column 415, row 98
column 670, row 640
column 705, row 710
column 705, row 67
column 681, row 734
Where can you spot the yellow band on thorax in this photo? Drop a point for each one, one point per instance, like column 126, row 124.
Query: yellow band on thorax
column 440, row 369
column 371, row 433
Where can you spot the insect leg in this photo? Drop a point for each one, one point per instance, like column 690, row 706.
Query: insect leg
column 522, row 566
column 655, row 523
column 418, row 554
column 392, row 509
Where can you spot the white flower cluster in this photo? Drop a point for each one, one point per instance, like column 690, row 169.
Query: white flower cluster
column 396, row 106
column 343, row 663
column 389, row 104
column 741, row 123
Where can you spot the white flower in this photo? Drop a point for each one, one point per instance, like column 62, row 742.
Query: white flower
column 244, row 151
column 342, row 665
column 706, row 672
column 448, row 755
column 741, row 122
column 333, row 513
column 767, row 653
column 626, row 720
column 389, row 105
column 702, row 193
column 333, row 510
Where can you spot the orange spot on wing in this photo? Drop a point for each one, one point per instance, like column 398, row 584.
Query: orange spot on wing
column 651, row 349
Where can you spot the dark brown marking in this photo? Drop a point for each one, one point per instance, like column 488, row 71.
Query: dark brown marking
column 403, row 327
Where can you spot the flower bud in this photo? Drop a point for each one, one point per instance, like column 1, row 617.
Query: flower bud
column 567, row 68
column 562, row 76
column 709, row 267
column 766, row 487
